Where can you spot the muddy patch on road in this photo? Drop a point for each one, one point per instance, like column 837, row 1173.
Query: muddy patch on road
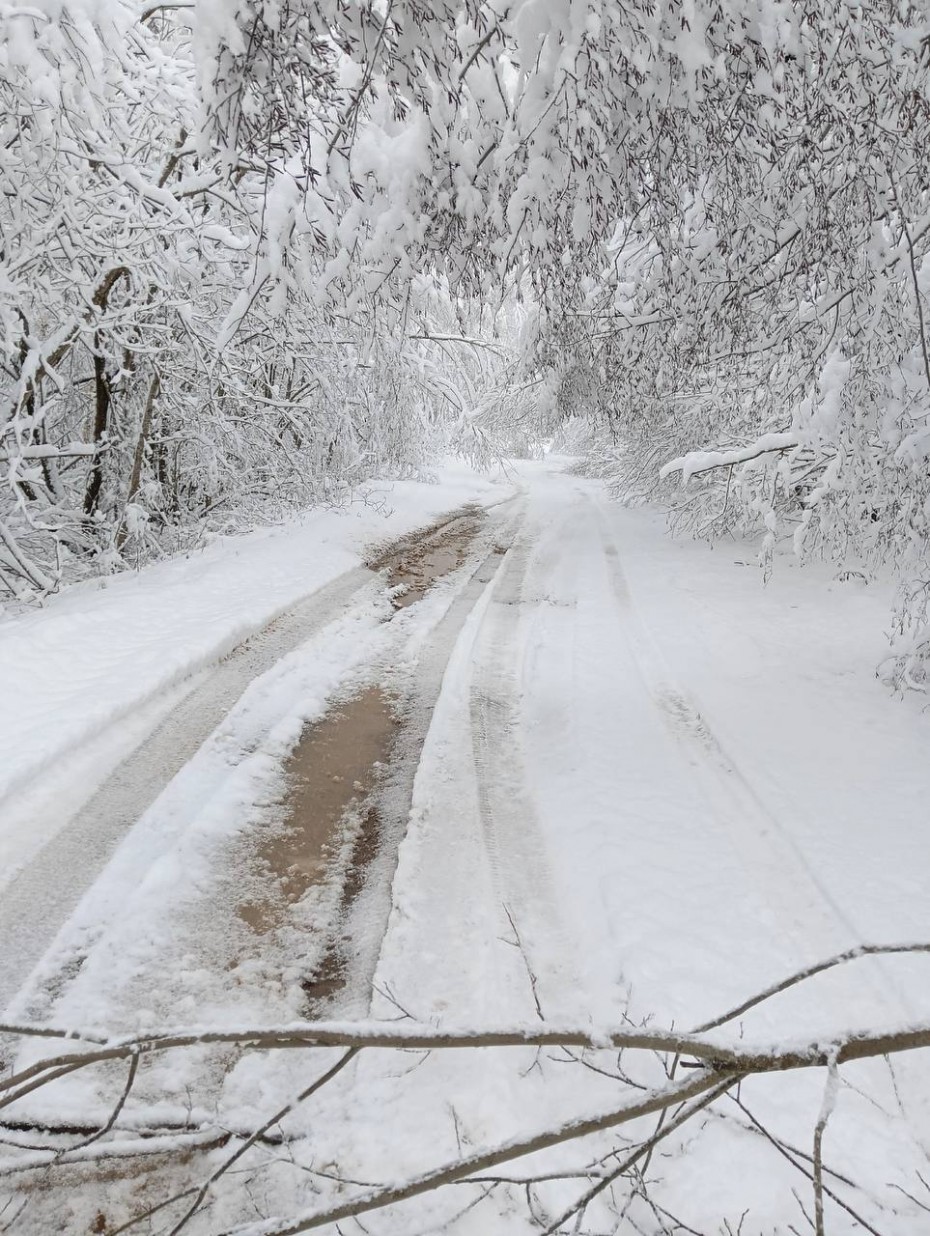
column 291, row 919
column 331, row 824
column 321, row 869
column 414, row 566
column 333, row 768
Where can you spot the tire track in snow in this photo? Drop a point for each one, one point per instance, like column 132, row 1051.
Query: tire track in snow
column 817, row 924
column 367, row 922
column 40, row 898
column 513, row 840
column 170, row 747
column 45, row 892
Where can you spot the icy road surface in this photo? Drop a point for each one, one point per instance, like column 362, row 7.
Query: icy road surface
column 566, row 770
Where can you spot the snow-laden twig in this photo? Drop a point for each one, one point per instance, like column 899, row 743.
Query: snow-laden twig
column 126, row 1149
column 808, row 972
column 696, row 462
column 792, row 1156
column 743, row 1056
column 718, row 1062
column 826, row 1110
column 645, row 1148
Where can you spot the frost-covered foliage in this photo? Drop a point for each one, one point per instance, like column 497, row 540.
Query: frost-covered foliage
column 170, row 357
column 720, row 207
column 761, row 327
column 717, row 209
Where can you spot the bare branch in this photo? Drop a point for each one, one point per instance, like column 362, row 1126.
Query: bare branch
column 484, row 1160
column 852, row 954
column 224, row 1167
column 744, row 1056
column 642, row 1150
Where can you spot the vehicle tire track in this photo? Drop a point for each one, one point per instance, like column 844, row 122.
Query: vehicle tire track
column 367, row 921
column 817, row 924
column 521, row 879
column 44, row 893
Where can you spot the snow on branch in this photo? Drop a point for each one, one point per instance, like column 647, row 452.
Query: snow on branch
column 745, row 1055
column 715, row 1062
column 357, row 1035
column 696, row 462
column 643, row 1105
column 74, row 450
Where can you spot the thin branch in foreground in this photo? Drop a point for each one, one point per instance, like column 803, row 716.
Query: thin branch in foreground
column 45, row 1072
column 76, row 1129
column 641, row 1151
column 800, row 976
column 20, row 1031
column 742, row 1056
column 130, row 1148
column 347, row 1035
column 911, row 1198
column 826, row 1109
column 486, row 1159
column 719, row 1064
column 279, row 1115
column 784, row 1152
column 115, row 1113
column 518, row 942
column 758, row 1130
column 152, row 1210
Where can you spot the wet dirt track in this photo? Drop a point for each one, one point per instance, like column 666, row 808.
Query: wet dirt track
column 349, row 780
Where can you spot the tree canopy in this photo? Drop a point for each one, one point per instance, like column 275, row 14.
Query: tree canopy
column 233, row 232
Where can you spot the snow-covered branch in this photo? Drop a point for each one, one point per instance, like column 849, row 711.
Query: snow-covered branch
column 718, row 1061
column 696, row 462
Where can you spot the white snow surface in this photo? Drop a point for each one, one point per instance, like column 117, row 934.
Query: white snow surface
column 651, row 786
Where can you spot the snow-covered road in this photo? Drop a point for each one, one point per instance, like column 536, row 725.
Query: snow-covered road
column 678, row 781
column 631, row 782
column 110, row 690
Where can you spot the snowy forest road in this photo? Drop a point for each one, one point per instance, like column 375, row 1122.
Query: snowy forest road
column 39, row 897
column 548, row 776
column 546, row 764
column 621, row 791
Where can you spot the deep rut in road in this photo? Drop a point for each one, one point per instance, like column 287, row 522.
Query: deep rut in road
column 349, row 785
column 414, row 565
column 334, row 766
column 523, row 884
column 42, row 896
column 350, row 781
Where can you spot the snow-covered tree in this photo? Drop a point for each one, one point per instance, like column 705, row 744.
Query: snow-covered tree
column 715, row 215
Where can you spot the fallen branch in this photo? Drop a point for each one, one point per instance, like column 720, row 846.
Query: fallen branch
column 800, row 976
column 237, row 1154
column 791, row 1155
column 645, row 1148
column 337, row 1034
column 743, row 1056
column 128, row 1148
column 717, row 1062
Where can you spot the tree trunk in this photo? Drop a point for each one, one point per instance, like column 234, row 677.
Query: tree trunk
column 136, row 475
column 101, row 422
